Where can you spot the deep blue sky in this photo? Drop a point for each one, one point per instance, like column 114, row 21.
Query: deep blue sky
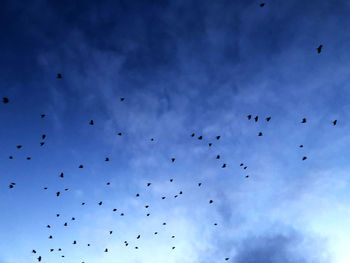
column 183, row 67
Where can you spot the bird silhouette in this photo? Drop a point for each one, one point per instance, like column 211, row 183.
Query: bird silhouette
column 122, row 99
column 319, row 49
column 91, row 122
column 59, row 75
column 5, row 100
column 303, row 120
column 335, row 122
column 192, row 135
column 268, row 118
column 304, row 158
column 218, row 137
column 256, row 118
column 200, row 137
column 249, row 117
column 260, row 134
column 43, row 116
column 172, row 159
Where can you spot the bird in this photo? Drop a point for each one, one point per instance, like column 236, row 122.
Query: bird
column 211, row 201
column 171, row 180
column 175, row 196
column 34, row 251
column 65, row 224
column 43, row 136
column 260, row 134
column 51, row 249
column 148, row 214
column 245, row 167
column 180, row 193
column 164, row 224
column 241, row 164
column 200, row 137
column 74, row 242
column 50, row 237
column 57, row 215
column 268, row 118
column 304, row 158
column 110, row 232
column 146, row 206
column 210, row 144
column 108, row 183
column 303, row 120
column 73, row 218
column 107, row 159
column 100, row 203
column 262, row 4
column 5, row 100
column 227, row 259
column 91, row 122
column 246, row 176
column 43, row 116
column 106, row 250
column 152, row 139
column 199, row 184
column 119, row 133
column 163, row 197
column 138, row 237
column 224, row 165
column 114, row 209
column 335, row 122
column 42, row 143
column 173, row 247
column 192, row 135
column 319, row 49
column 249, row 117
column 61, row 175
column 48, row 226
column 301, row 146
column 39, row 258
column 122, row 99
column 148, row 184
column 137, row 195
column 19, row 146
column 155, row 233
column 172, row 159
column 217, row 156
column 59, row 75
column 218, row 137
column 256, row 118
column 81, row 166
column 122, row 214
column 11, row 157
column 28, row 158
column 58, row 194
column 172, row 236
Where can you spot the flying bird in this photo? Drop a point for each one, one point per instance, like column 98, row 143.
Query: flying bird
column 218, row 137
column 59, row 75
column 303, row 120
column 192, row 135
column 200, row 137
column 91, row 122
column 43, row 116
column 260, row 134
column 122, row 99
column 81, row 166
column 217, row 156
column 304, row 158
column 256, row 118
column 172, row 159
column 119, row 133
column 210, row 144
column 335, row 122
column 262, row 4
column 5, row 100
column 319, row 49
column 249, row 117
column 224, row 165
column 268, row 118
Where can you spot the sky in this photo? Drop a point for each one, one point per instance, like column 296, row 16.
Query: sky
column 183, row 67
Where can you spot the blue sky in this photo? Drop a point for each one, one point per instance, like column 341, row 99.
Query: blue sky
column 183, row 67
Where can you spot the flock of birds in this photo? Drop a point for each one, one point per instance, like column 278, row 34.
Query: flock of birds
column 126, row 243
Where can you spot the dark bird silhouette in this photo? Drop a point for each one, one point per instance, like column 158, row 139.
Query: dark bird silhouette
column 122, row 214
column 210, row 144
column 100, row 203
column 82, row 203
column 175, row 196
column 107, row 159
column 147, row 214
column 39, row 258
column 304, row 158
column 28, row 158
column 256, row 118
column 10, row 186
column 172, row 236
column 58, row 194
column 11, row 157
column 227, row 259
column 61, row 175
column 319, row 49
column 173, row 247
column 43, row 136
column 110, row 232
column 152, row 139
column 172, row 159
column 106, row 250
column 137, row 195
column 74, row 242
column 260, row 134
column 180, row 193
column 335, row 122
column 164, row 224
column 138, row 237
column 122, row 99
column 65, row 224
column 268, row 118
column 73, row 218
column 50, row 237
column 43, row 116
column 262, row 4
column 199, row 184
column 155, row 233
column 246, row 176
column 163, row 197
column 217, row 156
column 108, row 183
column 301, row 146
column 19, row 146
column 211, row 201
column 59, row 75
column 146, row 206
column 171, row 180
column 119, row 133
column 48, row 226
column 45, row 188
column 200, row 137
column 57, row 215
column 114, row 209
column 66, row 189
column 51, row 249
column 218, row 137
column 91, row 122
column 192, row 135
column 249, row 117
column 34, row 251
column 148, row 184
column 303, row 120
column 81, row 166
column 42, row 143
column 5, row 100
column 241, row 164
column 224, row 165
